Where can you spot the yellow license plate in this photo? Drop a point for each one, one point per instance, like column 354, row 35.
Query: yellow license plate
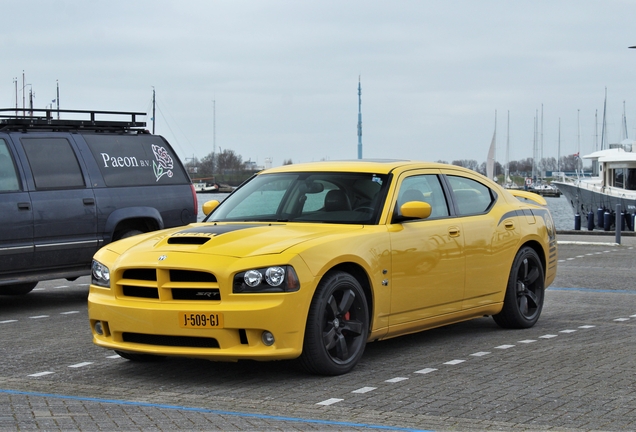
column 200, row 320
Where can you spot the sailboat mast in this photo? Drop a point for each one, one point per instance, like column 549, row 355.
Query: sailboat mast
column 624, row 123
column 559, row 148
column 507, row 173
column 603, row 131
column 494, row 158
column 359, row 119
column 153, row 110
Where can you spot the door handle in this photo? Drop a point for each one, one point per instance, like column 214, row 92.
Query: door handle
column 453, row 231
column 509, row 224
column 24, row 206
column 89, row 201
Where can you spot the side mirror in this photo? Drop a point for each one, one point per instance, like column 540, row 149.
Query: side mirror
column 209, row 206
column 415, row 210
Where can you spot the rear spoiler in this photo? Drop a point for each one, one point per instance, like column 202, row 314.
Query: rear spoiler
column 528, row 195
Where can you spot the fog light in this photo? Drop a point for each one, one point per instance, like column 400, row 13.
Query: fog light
column 267, row 338
column 98, row 328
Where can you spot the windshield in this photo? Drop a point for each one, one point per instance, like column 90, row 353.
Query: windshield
column 330, row 197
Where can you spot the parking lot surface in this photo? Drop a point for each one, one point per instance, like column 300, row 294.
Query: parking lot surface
column 575, row 370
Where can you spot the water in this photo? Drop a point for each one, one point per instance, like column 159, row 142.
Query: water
column 562, row 212
column 559, row 207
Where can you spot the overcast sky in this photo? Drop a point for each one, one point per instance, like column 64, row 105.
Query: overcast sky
column 283, row 75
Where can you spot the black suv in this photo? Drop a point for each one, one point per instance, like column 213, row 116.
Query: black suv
column 70, row 186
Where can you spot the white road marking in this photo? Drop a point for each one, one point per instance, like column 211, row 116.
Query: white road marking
column 330, row 401
column 8, row 321
column 548, row 336
column 116, row 356
column 504, row 346
column 39, row 316
column 364, row 390
column 454, row 362
column 425, row 371
column 621, row 319
column 567, row 331
column 587, row 326
column 79, row 365
column 527, row 341
column 69, row 312
column 397, row 379
column 480, row 354
column 39, row 374
column 61, row 286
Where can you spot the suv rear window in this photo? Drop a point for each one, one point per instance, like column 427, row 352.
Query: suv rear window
column 133, row 160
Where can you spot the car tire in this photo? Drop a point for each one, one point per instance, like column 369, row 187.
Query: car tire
column 337, row 326
column 523, row 301
column 142, row 358
column 18, row 289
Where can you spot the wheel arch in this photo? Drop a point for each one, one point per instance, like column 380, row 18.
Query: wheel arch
column 144, row 219
column 360, row 274
column 536, row 246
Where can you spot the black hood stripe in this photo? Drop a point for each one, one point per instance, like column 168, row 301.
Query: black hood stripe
column 212, row 230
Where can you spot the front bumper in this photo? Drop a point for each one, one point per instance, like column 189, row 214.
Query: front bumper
column 146, row 327
column 141, row 313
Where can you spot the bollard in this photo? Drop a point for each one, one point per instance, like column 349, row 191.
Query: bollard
column 599, row 217
column 590, row 221
column 607, row 221
column 577, row 222
column 619, row 226
column 622, row 221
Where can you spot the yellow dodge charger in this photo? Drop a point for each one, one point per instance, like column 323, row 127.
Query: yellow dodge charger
column 312, row 261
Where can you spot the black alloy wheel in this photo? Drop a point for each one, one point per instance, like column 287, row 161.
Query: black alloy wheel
column 337, row 326
column 523, row 301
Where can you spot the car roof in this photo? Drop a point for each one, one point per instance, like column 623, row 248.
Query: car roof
column 378, row 166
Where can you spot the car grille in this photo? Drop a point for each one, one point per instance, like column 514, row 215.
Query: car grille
column 169, row 284
column 174, row 341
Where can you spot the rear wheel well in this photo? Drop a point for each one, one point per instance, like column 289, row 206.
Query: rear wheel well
column 539, row 250
column 134, row 225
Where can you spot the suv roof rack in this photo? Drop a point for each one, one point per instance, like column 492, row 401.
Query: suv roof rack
column 87, row 119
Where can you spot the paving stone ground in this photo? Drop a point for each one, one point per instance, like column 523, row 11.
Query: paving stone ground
column 574, row 371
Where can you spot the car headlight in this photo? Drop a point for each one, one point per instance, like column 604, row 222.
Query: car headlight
column 100, row 274
column 266, row 280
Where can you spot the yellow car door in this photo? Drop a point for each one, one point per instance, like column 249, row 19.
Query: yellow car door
column 427, row 255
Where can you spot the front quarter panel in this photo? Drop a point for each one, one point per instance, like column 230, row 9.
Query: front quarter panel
column 367, row 249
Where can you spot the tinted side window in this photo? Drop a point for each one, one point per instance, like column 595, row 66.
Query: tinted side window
column 471, row 197
column 8, row 176
column 135, row 160
column 426, row 188
column 53, row 163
